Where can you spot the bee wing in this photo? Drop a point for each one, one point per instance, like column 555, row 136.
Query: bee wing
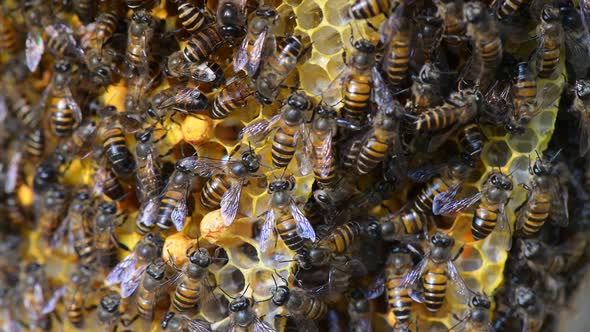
column 202, row 72
column 380, row 94
column 458, row 283
column 172, row 280
column 559, row 198
column 261, row 326
column 426, row 172
column 411, row 278
column 12, row 172
column 3, row 107
column 583, row 128
column 377, row 287
column 52, row 302
column 267, row 227
column 205, row 167
column 129, row 285
column 304, row 228
column 321, row 150
column 121, row 271
column 73, row 105
column 178, row 215
column 445, row 204
column 389, row 28
column 147, row 211
column 230, row 202
column 256, row 54
column 181, row 96
column 547, row 96
column 241, row 58
column 502, row 229
column 585, row 14
column 333, row 93
column 197, row 325
column 260, row 129
column 34, row 50
column 60, row 232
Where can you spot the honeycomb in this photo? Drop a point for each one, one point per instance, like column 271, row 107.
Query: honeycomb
column 328, row 27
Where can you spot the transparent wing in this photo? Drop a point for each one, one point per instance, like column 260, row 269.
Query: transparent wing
column 34, row 50
column 583, row 127
column 172, row 280
column 147, row 211
column 178, row 215
column 12, row 172
column 380, row 94
column 333, row 93
column 377, row 287
column 197, row 325
column 129, row 285
column 260, row 326
column 389, row 28
column 241, row 57
column 52, row 302
column 320, row 149
column 73, row 105
column 445, row 203
column 205, row 167
column 181, row 96
column 122, row 270
column 464, row 294
column 547, row 96
column 559, row 198
column 260, row 129
column 230, row 202
column 304, row 228
column 202, row 72
column 256, row 54
column 502, row 229
column 267, row 228
column 411, row 278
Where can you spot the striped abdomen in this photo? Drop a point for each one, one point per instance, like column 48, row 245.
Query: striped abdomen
column 314, row 308
column 35, row 144
column 283, row 145
column 289, row 49
column 396, row 62
column 484, row 219
column 362, row 9
column 201, row 45
column 112, row 188
column 349, row 159
column 115, row 145
column 191, row 18
column 435, row 288
column 168, row 203
column 340, row 239
column 146, row 303
column 187, row 294
column 357, row 98
column 424, row 200
column 413, row 220
column 400, row 302
column 536, row 213
column 524, row 88
column 508, row 8
column 471, row 140
column 24, row 113
column 75, row 309
column 8, row 38
column 436, row 118
column 323, row 160
column 287, row 229
column 83, row 243
column 106, row 25
column 373, row 151
column 490, row 50
column 86, row 9
column 230, row 98
column 62, row 119
column 213, row 191
column 106, row 250
column 548, row 59
column 454, row 27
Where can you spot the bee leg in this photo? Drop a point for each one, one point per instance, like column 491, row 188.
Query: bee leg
column 91, row 308
column 119, row 243
column 526, row 187
column 370, row 25
column 458, row 253
column 127, row 322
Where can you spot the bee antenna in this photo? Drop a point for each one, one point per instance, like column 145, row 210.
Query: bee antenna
column 245, row 290
column 280, row 276
column 274, row 280
column 224, row 292
column 555, row 155
column 538, row 156
column 283, row 174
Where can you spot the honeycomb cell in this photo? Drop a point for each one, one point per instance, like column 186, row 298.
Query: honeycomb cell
column 287, row 21
column 314, row 78
column 245, row 256
column 309, row 14
column 543, row 123
column 331, row 40
column 261, row 282
column 215, row 309
column 519, row 168
column 337, row 12
column 227, row 131
column 278, row 258
column 232, row 279
column 496, row 153
column 525, row 142
column 211, row 150
column 470, row 260
column 335, row 66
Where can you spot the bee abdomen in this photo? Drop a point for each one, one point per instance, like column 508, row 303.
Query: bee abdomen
column 536, row 215
column 84, row 248
column 62, row 120
column 186, row 296
column 509, row 8
column 287, row 230
column 372, row 153
column 167, row 205
column 145, row 307
column 549, row 61
column 435, row 288
column 112, row 187
column 76, row 312
column 118, row 154
column 190, row 17
column 491, row 51
column 397, row 61
column 202, row 45
column 357, row 95
column 342, row 237
column 35, row 144
column 315, row 309
column 401, row 303
column 283, row 147
column 362, row 9
column 484, row 221
column 471, row 139
column 435, row 119
column 213, row 191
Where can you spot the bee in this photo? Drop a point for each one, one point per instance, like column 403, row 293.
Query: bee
column 207, row 71
column 78, row 228
column 231, row 18
column 358, row 83
column 199, row 46
column 299, row 303
column 546, row 200
column 148, row 294
column 545, row 259
column 364, row 9
column 65, row 113
column 551, row 37
column 258, row 43
column 75, row 296
column 8, row 300
column 105, row 27
column 102, row 65
column 277, row 67
column 576, row 36
column 192, row 280
column 138, row 86
column 186, row 100
column 191, row 17
column 524, row 95
column 28, row 116
column 580, row 105
column 35, row 144
column 73, row 146
column 177, row 323
column 38, row 298
column 415, row 215
column 129, row 271
column 488, row 49
column 86, row 10
column 337, row 242
column 359, row 307
column 108, row 312
column 243, row 317
column 227, row 177
column 59, row 40
column 139, row 39
column 53, row 206
column 508, row 8
column 105, row 222
column 477, row 317
column 490, row 214
column 528, row 306
column 9, row 42
column 451, row 13
column 429, row 34
column 434, row 272
column 289, row 124
column 114, row 143
column 399, row 263
column 340, row 274
column 233, row 96
column 148, row 178
column 471, row 140
column 107, row 183
column 398, row 49
column 426, row 88
column 292, row 224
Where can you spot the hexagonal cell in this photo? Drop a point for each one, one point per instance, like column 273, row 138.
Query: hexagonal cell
column 314, row 78
column 220, row 260
column 287, row 21
column 331, row 42
column 543, row 123
column 278, row 258
column 227, row 131
column 496, row 153
column 337, row 12
column 524, row 143
column 493, row 250
column 335, row 66
column 211, row 150
column 262, row 283
column 519, row 168
column 471, row 282
column 216, row 309
column 309, row 14
column 470, row 260
column 245, row 256
column 232, row 279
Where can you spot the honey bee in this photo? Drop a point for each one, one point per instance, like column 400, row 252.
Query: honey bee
column 129, row 271
column 576, row 36
column 292, row 224
column 451, row 13
column 359, row 84
column 471, row 140
column 529, row 307
column 399, row 263
column 426, row 88
column 289, row 125
column 429, row 34
column 148, row 178
column 244, row 318
column 233, row 96
column 477, row 317
column 177, row 323
column 107, row 183
column 51, row 210
column 299, row 304
column 231, row 18
column 191, row 17
column 105, row 222
column 434, row 271
column 102, row 65
column 490, row 214
column 227, row 177
column 86, row 10
column 208, row 71
column 546, row 199
column 277, row 67
column 8, row 36
column 198, row 48
column 28, row 116
column 364, row 9
column 148, row 294
column 544, row 258
column 139, row 39
column 75, row 296
column 38, row 298
column 108, row 311
column 105, row 27
column 551, row 37
column 342, row 269
column 59, row 40
column 258, row 43
column 65, row 113
column 337, row 242
column 415, row 215
column 74, row 146
column 77, row 226
column 398, row 49
column 35, row 144
column 581, row 100
column 138, row 87
column 186, row 100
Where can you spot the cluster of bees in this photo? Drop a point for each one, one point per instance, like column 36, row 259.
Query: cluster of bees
column 403, row 181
